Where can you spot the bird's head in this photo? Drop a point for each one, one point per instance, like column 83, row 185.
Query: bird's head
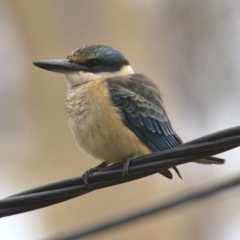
column 89, row 63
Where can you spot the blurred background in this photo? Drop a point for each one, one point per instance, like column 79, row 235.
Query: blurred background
column 190, row 48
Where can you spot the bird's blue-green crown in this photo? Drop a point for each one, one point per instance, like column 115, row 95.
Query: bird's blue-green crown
column 98, row 58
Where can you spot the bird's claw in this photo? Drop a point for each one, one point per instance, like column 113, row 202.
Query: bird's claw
column 86, row 176
column 91, row 171
column 126, row 163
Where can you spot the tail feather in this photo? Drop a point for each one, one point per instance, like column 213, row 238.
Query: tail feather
column 166, row 173
column 211, row 160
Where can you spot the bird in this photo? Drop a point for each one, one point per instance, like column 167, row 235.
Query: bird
column 114, row 114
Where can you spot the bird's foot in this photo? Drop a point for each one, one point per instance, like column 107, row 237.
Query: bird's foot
column 125, row 164
column 87, row 174
column 91, row 171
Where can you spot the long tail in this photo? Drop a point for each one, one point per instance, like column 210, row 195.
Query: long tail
column 211, row 160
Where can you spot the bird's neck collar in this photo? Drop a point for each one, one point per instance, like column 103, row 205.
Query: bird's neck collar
column 76, row 78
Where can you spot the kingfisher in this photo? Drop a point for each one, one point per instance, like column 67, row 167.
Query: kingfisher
column 114, row 114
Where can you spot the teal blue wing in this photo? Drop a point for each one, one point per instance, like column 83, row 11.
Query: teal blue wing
column 141, row 108
column 140, row 105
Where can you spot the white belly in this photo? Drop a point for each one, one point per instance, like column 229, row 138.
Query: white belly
column 97, row 127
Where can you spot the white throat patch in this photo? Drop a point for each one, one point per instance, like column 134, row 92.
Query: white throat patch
column 72, row 79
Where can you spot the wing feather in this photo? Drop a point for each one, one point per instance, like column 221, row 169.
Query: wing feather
column 140, row 104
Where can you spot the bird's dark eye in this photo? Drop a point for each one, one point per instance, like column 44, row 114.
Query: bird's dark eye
column 93, row 63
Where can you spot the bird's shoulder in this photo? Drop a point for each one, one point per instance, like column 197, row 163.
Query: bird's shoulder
column 139, row 84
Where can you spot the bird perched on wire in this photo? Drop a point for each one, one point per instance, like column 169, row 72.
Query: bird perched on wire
column 114, row 114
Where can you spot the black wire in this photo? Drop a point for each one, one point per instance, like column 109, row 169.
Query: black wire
column 231, row 132
column 140, row 167
column 148, row 211
column 145, row 168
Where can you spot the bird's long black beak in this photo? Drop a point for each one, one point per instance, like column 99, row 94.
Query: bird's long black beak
column 58, row 65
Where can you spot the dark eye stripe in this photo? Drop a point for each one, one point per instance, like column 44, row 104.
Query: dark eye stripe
column 93, row 63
